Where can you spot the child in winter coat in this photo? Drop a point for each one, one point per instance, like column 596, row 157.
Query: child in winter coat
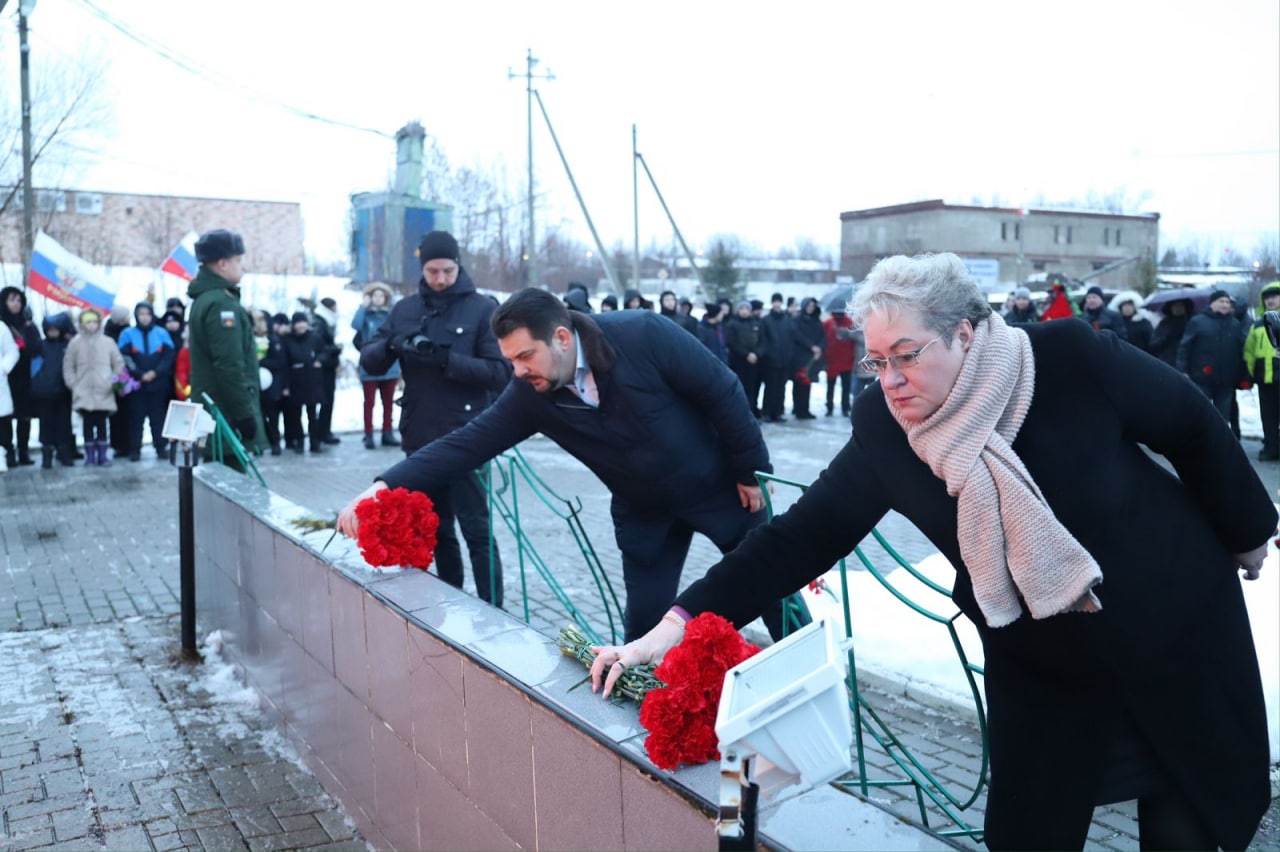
column 50, row 395
column 89, row 368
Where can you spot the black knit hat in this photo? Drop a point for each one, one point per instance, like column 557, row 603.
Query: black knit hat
column 218, row 244
column 1218, row 294
column 1095, row 290
column 279, row 319
column 301, row 316
column 438, row 245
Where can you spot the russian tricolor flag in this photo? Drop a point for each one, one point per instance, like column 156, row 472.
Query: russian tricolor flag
column 181, row 261
column 65, row 278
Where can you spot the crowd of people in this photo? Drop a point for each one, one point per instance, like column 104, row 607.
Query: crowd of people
column 1222, row 349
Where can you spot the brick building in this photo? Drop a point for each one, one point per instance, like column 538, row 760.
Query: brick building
column 1022, row 242
column 122, row 229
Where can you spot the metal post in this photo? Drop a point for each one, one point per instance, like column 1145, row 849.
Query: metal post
column 608, row 270
column 186, row 460
column 529, row 76
column 28, row 195
column 635, row 209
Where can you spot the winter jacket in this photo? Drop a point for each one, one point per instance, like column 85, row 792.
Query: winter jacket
column 839, row 346
column 48, row 381
column 1261, row 360
column 148, row 349
column 775, row 339
column 742, row 338
column 1171, row 647
column 27, row 337
column 1137, row 328
column 438, row 400
column 806, row 333
column 1211, row 349
column 8, row 362
column 366, row 323
column 1104, row 319
column 685, row 321
column 1013, row 315
column 672, row 428
column 1168, row 334
column 323, row 325
column 224, row 359
column 90, row 366
column 302, row 355
column 712, row 335
column 276, row 362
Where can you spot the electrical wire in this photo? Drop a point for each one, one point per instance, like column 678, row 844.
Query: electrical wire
column 204, row 72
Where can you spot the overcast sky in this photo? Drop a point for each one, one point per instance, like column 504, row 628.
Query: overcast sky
column 765, row 120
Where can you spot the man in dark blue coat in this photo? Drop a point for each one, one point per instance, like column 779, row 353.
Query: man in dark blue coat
column 452, row 367
column 1212, row 351
column 647, row 408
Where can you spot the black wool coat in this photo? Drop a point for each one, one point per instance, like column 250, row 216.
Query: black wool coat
column 302, row 354
column 1171, row 647
column 438, row 401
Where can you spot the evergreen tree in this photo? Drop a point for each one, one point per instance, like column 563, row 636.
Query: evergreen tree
column 721, row 278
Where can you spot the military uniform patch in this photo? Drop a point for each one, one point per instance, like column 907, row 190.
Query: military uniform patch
column 228, row 319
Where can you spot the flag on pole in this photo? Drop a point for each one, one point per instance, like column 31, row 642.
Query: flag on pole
column 65, row 278
column 182, row 260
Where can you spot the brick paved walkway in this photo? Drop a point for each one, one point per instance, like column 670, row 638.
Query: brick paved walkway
column 109, row 741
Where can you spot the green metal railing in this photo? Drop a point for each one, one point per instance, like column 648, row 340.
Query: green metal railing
column 927, row 787
column 503, row 479
column 224, row 441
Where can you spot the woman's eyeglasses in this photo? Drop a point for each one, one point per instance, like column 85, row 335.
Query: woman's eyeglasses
column 899, row 361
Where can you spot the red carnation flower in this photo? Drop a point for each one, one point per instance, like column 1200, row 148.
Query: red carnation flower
column 681, row 716
column 397, row 527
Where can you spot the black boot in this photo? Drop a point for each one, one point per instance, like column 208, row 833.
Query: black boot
column 67, row 456
column 368, row 441
column 46, row 457
column 389, row 438
column 24, row 456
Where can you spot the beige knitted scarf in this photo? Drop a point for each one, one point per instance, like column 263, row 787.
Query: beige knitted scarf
column 1015, row 548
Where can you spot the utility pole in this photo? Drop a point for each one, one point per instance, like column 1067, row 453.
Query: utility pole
column 25, row 7
column 635, row 209
column 531, row 249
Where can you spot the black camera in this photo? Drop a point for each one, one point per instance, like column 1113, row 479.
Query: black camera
column 419, row 343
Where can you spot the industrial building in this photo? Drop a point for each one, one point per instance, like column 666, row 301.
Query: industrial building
column 1004, row 246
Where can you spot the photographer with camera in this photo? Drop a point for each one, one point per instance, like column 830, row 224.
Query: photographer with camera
column 452, row 368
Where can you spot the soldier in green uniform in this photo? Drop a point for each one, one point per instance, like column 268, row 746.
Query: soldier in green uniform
column 224, row 360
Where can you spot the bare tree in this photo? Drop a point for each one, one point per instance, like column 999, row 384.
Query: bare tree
column 67, row 110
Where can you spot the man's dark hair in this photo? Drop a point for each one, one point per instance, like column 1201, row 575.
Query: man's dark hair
column 535, row 310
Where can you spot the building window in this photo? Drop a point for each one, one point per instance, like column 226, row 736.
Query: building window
column 1004, row 230
column 1106, row 236
column 1068, row 235
column 1117, row 236
column 1057, row 233
column 1038, row 265
column 1017, row 230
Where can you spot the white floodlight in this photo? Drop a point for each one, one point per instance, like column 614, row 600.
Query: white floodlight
column 187, row 422
column 788, row 706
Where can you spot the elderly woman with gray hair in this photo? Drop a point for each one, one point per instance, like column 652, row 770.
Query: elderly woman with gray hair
column 1117, row 666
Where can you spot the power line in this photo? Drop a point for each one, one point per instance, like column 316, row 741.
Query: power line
column 194, row 68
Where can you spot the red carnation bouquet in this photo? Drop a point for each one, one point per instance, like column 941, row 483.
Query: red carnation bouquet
column 681, row 716
column 397, row 527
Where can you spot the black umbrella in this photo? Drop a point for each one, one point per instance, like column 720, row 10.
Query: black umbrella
column 837, row 299
column 1197, row 296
